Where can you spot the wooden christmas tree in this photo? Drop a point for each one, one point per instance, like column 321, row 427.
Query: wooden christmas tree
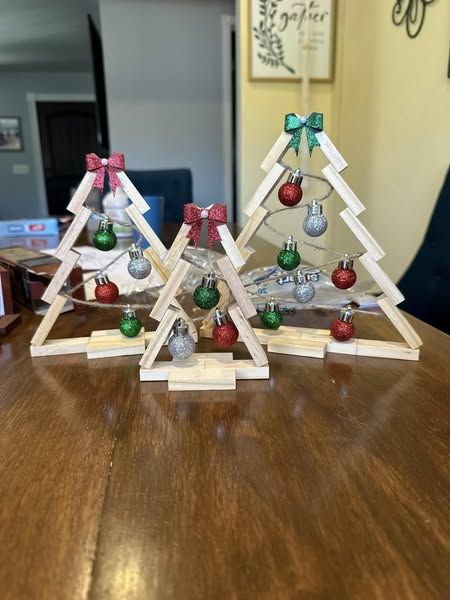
column 103, row 343
column 204, row 371
column 317, row 342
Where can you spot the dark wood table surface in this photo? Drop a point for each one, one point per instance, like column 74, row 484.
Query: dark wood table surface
column 330, row 480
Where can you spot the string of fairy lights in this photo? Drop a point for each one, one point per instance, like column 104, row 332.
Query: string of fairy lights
column 206, row 296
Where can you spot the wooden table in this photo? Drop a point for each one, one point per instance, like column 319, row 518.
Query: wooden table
column 330, row 480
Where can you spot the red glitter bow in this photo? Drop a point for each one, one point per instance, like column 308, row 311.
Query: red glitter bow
column 194, row 216
column 116, row 162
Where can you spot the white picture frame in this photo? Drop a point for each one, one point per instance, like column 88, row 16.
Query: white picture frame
column 277, row 37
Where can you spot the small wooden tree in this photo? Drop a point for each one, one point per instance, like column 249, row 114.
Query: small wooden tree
column 317, row 342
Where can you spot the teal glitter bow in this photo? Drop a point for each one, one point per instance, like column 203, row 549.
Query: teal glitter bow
column 294, row 124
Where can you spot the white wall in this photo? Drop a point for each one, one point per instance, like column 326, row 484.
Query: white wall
column 392, row 111
column 387, row 111
column 19, row 193
column 163, row 78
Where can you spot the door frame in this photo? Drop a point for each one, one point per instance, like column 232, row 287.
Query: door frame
column 228, row 23
column 35, row 142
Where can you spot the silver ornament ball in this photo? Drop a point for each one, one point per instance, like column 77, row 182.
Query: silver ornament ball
column 304, row 292
column 315, row 222
column 315, row 225
column 181, row 345
column 139, row 268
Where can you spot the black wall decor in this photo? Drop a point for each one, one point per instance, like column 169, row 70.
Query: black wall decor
column 412, row 13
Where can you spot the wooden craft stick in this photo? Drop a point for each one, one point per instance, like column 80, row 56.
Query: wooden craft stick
column 381, row 349
column 298, row 347
column 60, row 347
column 248, row 336
column 60, row 277
column 170, row 289
column 246, row 369
column 277, row 151
column 132, row 192
column 331, row 152
column 108, row 343
column 48, row 321
column 366, row 239
column 178, row 247
column 343, row 189
column 82, row 192
column 265, row 188
column 201, row 379
column 151, row 237
column 246, row 252
column 235, row 284
column 161, row 275
column 158, row 340
column 71, row 235
column 348, row 347
column 251, row 227
column 380, row 277
column 151, row 254
column 400, row 322
column 229, row 245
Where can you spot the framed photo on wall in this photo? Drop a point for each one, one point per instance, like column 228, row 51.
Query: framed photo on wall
column 278, row 30
column 11, row 134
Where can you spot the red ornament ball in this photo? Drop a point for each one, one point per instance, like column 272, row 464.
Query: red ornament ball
column 343, row 278
column 290, row 194
column 342, row 331
column 225, row 335
column 106, row 293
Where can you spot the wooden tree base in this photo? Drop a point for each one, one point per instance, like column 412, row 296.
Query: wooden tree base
column 100, row 344
column 204, row 371
column 316, row 343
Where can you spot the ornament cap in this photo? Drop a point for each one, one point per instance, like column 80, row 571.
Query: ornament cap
column 180, row 327
column 220, row 318
column 101, row 278
column 315, row 208
column 135, row 252
column 296, row 177
column 345, row 263
column 128, row 313
column 346, row 315
column 209, row 281
column 290, row 243
column 272, row 306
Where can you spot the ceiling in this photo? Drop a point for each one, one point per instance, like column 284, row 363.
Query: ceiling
column 49, row 35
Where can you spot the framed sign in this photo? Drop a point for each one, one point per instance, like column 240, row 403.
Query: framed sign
column 278, row 30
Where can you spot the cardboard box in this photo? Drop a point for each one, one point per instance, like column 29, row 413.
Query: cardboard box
column 30, row 272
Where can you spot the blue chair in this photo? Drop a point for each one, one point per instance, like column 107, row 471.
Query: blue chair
column 426, row 283
column 175, row 185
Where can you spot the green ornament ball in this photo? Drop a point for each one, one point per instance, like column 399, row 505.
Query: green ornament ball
column 105, row 239
column 206, row 298
column 288, row 260
column 130, row 326
column 271, row 320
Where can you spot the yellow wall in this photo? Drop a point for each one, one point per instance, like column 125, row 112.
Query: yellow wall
column 388, row 112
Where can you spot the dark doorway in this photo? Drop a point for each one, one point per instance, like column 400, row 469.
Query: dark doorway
column 67, row 131
column 233, row 75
